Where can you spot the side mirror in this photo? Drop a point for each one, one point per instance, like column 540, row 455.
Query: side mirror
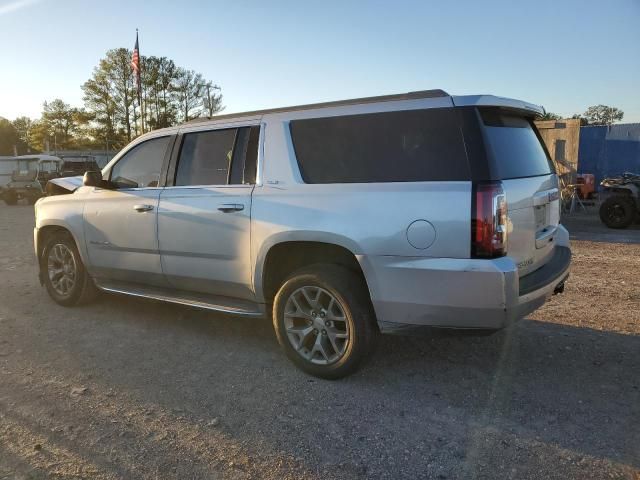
column 92, row 178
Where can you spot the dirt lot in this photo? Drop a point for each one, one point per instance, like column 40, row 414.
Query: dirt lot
column 127, row 388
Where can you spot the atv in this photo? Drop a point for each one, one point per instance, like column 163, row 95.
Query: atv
column 621, row 204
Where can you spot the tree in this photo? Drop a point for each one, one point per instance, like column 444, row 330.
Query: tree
column 188, row 88
column 59, row 121
column 169, row 94
column 603, row 115
column 583, row 121
column 99, row 99
column 166, row 75
column 550, row 116
column 24, row 126
column 117, row 66
column 8, row 137
column 211, row 101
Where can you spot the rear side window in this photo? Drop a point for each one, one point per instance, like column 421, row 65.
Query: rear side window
column 205, row 157
column 514, row 146
column 402, row 146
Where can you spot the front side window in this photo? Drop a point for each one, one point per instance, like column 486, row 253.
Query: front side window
column 141, row 166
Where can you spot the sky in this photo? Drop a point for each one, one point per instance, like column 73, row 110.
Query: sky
column 563, row 54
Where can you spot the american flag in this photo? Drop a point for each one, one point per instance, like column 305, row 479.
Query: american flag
column 135, row 61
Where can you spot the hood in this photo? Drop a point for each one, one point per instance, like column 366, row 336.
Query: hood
column 61, row 185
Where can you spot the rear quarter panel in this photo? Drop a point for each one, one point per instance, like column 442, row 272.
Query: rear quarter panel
column 365, row 218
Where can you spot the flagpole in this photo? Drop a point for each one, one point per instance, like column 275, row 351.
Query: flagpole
column 142, row 109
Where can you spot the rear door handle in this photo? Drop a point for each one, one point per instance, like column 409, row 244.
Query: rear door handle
column 143, row 208
column 231, row 207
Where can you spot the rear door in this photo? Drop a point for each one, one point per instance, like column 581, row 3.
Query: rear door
column 205, row 212
column 518, row 158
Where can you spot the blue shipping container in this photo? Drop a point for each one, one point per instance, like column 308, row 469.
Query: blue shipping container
column 609, row 150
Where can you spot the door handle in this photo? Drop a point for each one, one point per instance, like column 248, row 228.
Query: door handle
column 143, row 208
column 231, row 207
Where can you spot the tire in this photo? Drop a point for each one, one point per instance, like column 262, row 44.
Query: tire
column 10, row 199
column 351, row 310
column 61, row 246
column 618, row 211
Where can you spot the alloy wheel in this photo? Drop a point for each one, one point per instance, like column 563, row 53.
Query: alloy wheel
column 62, row 269
column 316, row 325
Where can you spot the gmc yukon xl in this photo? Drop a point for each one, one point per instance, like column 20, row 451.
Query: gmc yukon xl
column 339, row 221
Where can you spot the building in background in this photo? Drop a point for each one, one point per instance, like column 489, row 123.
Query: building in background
column 562, row 138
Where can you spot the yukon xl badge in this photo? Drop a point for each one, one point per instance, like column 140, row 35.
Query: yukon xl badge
column 526, row 263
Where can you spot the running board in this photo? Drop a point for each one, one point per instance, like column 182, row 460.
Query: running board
column 232, row 306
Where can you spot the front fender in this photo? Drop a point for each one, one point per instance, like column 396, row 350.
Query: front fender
column 62, row 212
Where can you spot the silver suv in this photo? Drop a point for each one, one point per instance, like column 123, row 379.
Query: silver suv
column 338, row 220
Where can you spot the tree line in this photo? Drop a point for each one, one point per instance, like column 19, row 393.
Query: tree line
column 594, row 115
column 112, row 115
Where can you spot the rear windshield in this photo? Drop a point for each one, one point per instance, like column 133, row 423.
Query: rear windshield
column 514, row 147
column 401, row 146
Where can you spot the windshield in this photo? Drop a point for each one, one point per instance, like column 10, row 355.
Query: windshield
column 24, row 175
column 514, row 147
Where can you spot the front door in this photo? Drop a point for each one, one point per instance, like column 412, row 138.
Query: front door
column 204, row 217
column 120, row 222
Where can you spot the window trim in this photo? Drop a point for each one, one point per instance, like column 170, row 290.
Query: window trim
column 165, row 162
column 172, row 169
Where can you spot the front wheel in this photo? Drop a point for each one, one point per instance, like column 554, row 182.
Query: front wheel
column 65, row 277
column 618, row 211
column 324, row 321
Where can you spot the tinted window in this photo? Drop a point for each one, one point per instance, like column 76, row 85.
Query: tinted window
column 513, row 145
column 205, row 157
column 405, row 146
column 245, row 156
column 142, row 165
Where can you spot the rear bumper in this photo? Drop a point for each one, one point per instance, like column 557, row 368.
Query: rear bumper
column 409, row 292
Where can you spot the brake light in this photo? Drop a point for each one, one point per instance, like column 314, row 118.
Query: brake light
column 488, row 221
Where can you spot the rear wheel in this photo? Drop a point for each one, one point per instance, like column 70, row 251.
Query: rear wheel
column 323, row 319
column 618, row 211
column 10, row 198
column 65, row 277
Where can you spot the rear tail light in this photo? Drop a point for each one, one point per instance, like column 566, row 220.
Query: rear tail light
column 488, row 221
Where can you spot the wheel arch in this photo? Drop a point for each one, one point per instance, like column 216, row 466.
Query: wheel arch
column 286, row 253
column 48, row 228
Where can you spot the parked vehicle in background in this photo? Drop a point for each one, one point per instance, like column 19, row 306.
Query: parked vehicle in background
column 621, row 200
column 7, row 167
column 29, row 177
column 73, row 165
column 339, row 221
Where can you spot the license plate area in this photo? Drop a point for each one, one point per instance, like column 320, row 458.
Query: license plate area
column 540, row 215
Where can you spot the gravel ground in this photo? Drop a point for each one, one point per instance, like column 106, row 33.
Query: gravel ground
column 127, row 388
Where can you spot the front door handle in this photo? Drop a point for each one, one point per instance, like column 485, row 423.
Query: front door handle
column 143, row 208
column 231, row 207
